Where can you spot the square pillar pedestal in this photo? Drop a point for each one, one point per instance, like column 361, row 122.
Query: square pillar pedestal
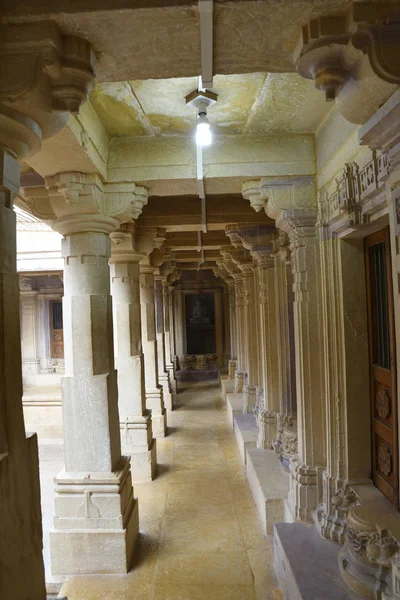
column 96, row 522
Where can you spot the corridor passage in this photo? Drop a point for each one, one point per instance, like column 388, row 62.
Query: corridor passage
column 199, row 533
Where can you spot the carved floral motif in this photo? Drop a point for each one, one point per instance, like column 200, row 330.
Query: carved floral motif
column 378, row 546
column 383, row 403
column 384, row 459
column 345, row 498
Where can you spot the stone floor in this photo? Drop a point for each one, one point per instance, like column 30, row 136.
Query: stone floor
column 199, row 532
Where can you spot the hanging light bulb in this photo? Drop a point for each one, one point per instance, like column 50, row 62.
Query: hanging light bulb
column 203, row 131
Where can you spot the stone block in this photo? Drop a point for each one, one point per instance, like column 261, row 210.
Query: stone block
column 144, row 464
column 234, row 406
column 246, row 433
column 96, row 522
column 159, row 424
column 269, row 485
column 307, row 564
column 227, row 386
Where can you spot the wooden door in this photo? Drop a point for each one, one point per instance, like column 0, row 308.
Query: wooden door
column 382, row 365
column 57, row 331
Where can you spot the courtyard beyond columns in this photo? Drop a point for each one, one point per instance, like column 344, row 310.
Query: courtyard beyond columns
column 200, row 537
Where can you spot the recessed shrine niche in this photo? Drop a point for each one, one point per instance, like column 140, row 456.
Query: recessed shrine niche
column 200, row 323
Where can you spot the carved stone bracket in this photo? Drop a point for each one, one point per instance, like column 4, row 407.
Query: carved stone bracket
column 44, row 77
column 348, row 55
column 368, row 560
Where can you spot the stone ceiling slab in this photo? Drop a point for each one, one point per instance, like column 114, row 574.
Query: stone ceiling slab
column 137, row 40
column 247, row 103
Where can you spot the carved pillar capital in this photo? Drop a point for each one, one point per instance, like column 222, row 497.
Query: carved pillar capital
column 44, row 77
column 75, row 202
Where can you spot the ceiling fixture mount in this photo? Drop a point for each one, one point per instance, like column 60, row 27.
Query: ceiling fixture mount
column 202, row 100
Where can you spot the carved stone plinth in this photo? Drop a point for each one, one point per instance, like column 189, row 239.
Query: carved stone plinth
column 370, row 554
column 96, row 522
column 285, row 440
column 303, row 494
column 231, row 369
column 249, row 398
column 137, row 442
column 266, row 420
column 239, row 382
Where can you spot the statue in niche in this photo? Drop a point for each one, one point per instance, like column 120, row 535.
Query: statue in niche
column 199, row 313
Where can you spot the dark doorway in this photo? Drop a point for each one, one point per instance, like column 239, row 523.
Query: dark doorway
column 200, row 323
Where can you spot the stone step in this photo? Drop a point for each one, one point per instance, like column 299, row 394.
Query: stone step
column 234, row 406
column 227, row 386
column 269, row 484
column 246, row 433
column 307, row 564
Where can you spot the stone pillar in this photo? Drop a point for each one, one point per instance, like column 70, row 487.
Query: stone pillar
column 227, row 327
column 250, row 337
column 219, row 336
column 44, row 334
column 168, row 334
column 43, row 76
column 94, row 500
column 179, row 317
column 240, row 341
column 163, row 373
column 135, row 420
column 285, row 441
column 154, row 391
column 232, row 326
column 306, row 468
column 94, row 497
column 268, row 311
column 29, row 326
column 21, row 519
column 237, row 322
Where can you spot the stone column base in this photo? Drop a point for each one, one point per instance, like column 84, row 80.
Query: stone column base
column 231, row 369
column 154, row 402
column 163, row 378
column 137, row 442
column 266, row 420
column 239, row 382
column 172, row 381
column 159, row 421
column 96, row 522
column 303, row 494
column 144, row 464
column 249, row 399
